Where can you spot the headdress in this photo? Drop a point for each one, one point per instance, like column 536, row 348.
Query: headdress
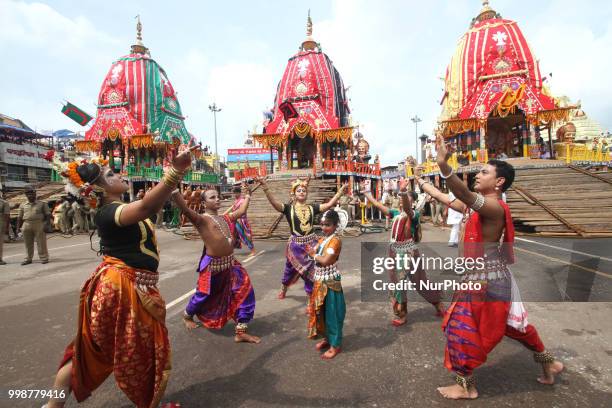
column 75, row 185
column 299, row 183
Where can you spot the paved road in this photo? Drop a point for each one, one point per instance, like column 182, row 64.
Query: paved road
column 381, row 366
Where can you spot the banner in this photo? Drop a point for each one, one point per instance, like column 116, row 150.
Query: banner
column 24, row 155
column 250, row 154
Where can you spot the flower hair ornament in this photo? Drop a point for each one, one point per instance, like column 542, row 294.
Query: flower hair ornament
column 74, row 184
column 299, row 183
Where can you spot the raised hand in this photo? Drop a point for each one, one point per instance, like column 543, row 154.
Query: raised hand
column 182, row 161
column 443, row 151
column 403, row 184
column 260, row 180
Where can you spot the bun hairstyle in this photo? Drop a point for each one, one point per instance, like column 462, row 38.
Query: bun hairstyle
column 332, row 216
column 89, row 172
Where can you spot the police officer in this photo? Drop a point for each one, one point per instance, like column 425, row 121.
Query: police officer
column 5, row 219
column 32, row 217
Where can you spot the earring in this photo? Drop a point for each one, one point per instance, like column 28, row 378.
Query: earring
column 496, row 188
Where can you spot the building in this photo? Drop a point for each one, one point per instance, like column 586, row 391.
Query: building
column 22, row 154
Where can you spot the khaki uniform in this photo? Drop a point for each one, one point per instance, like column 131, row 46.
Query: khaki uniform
column 80, row 220
column 5, row 210
column 33, row 216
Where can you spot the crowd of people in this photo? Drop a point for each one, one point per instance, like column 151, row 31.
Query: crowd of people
column 122, row 329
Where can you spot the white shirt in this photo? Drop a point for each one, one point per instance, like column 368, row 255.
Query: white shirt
column 454, row 217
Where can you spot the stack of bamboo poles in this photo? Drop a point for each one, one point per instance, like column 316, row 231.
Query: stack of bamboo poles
column 562, row 201
column 266, row 222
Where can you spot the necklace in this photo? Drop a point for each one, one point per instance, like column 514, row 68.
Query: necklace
column 302, row 212
column 215, row 219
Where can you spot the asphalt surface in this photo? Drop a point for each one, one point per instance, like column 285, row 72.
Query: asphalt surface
column 380, row 366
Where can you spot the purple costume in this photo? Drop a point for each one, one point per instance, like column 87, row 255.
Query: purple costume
column 223, row 292
column 299, row 264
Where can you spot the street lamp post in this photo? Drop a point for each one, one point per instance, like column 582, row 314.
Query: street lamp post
column 416, row 121
column 214, row 109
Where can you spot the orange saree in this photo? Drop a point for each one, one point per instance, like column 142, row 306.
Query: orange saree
column 121, row 330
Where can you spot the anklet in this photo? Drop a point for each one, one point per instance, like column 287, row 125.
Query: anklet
column 241, row 328
column 543, row 358
column 465, row 382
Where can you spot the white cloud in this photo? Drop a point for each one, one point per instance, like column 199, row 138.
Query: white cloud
column 391, row 53
column 40, row 27
column 580, row 62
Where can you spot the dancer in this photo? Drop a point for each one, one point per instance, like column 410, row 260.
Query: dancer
column 187, row 197
column 121, row 325
column 243, row 228
column 402, row 242
column 224, row 289
column 326, row 306
column 300, row 217
column 477, row 320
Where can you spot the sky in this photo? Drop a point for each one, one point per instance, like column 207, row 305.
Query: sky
column 391, row 55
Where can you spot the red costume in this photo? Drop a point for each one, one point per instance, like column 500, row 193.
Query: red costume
column 477, row 320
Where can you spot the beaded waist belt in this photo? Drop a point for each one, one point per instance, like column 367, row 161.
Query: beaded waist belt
column 493, row 269
column 220, row 263
column 303, row 239
column 403, row 247
column 141, row 277
column 325, row 273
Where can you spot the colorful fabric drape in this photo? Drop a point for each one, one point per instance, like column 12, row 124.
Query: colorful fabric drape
column 326, row 305
column 327, row 309
column 314, row 89
column 298, row 263
column 243, row 228
column 121, row 330
column 136, row 97
column 477, row 320
column 222, row 295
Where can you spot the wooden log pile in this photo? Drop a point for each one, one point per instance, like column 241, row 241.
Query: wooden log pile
column 561, row 201
column 262, row 216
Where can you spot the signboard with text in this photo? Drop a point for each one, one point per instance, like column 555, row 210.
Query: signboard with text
column 252, row 154
column 24, row 155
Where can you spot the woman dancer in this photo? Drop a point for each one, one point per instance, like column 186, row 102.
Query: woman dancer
column 402, row 242
column 243, row 228
column 121, row 325
column 300, row 217
column 326, row 307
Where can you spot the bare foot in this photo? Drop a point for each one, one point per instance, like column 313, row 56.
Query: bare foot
column 190, row 324
column 331, row 353
column 400, row 321
column 322, row 345
column 456, row 391
column 246, row 338
column 282, row 294
column 550, row 371
column 252, row 253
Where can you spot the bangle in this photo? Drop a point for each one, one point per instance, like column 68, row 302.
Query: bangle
column 449, row 174
column 478, row 203
column 403, row 193
column 172, row 177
